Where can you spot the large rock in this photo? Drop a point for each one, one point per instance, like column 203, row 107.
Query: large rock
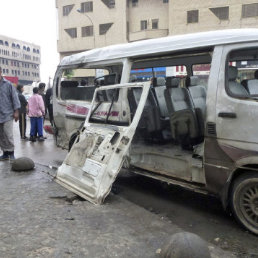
column 23, row 164
column 185, row 245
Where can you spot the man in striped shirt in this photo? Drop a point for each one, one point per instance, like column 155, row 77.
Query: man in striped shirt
column 9, row 105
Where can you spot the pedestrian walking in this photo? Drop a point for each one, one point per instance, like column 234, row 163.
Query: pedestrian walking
column 36, row 111
column 9, row 110
column 22, row 112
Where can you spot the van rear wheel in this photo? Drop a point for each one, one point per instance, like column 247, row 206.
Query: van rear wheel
column 244, row 200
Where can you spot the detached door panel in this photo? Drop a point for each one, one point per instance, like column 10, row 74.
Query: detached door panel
column 97, row 156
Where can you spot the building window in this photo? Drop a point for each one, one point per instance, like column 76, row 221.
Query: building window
column 221, row 12
column 72, row 32
column 249, row 10
column 103, row 28
column 155, row 24
column 87, row 31
column 109, row 3
column 144, row 25
column 67, row 9
column 127, row 30
column 134, row 3
column 193, row 16
column 165, row 1
column 87, row 7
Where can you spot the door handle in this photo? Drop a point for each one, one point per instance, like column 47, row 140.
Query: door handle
column 227, row 115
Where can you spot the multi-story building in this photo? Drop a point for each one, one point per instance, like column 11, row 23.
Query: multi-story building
column 20, row 60
column 192, row 16
column 84, row 24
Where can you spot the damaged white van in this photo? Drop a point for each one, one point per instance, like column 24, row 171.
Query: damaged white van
column 195, row 123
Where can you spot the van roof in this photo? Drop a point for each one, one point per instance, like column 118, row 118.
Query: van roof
column 163, row 45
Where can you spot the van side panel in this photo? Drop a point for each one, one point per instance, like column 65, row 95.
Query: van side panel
column 231, row 142
column 218, row 166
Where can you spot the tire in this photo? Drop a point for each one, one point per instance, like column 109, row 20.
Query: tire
column 244, row 200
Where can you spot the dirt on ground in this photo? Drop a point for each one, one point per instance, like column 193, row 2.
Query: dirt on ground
column 193, row 212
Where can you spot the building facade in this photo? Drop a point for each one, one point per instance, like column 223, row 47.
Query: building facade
column 85, row 25
column 20, row 60
column 193, row 16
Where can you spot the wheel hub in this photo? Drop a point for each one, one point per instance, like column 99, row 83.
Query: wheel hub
column 249, row 203
column 255, row 206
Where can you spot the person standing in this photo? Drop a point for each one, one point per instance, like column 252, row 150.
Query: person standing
column 22, row 112
column 41, row 92
column 49, row 104
column 36, row 111
column 9, row 110
column 42, row 87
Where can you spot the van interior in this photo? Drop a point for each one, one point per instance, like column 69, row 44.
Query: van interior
column 170, row 137
column 170, row 134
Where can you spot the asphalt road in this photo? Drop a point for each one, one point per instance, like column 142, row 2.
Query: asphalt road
column 190, row 211
column 193, row 212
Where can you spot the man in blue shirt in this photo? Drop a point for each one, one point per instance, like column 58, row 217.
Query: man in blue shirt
column 9, row 105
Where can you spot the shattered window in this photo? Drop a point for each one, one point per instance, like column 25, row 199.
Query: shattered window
column 78, row 84
column 109, row 109
column 202, row 71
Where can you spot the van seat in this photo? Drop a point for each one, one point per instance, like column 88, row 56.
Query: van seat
column 150, row 119
column 252, row 85
column 198, row 96
column 159, row 85
column 235, row 87
column 161, row 81
column 176, row 98
column 183, row 122
column 197, row 93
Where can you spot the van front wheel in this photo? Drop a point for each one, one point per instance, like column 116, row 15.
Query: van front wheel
column 244, row 200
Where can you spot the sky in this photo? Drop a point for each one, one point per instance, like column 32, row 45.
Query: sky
column 33, row 21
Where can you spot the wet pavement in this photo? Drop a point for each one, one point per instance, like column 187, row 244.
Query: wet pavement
column 39, row 218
